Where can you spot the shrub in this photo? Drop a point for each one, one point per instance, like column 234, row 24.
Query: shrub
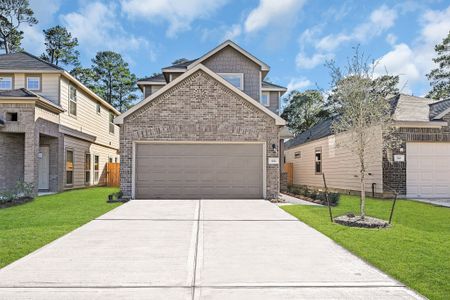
column 315, row 194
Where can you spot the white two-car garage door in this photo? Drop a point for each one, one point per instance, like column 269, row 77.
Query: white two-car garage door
column 428, row 170
column 198, row 171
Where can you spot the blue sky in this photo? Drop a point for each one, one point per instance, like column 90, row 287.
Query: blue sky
column 295, row 37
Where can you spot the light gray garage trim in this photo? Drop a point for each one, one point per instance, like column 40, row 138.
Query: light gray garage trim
column 199, row 170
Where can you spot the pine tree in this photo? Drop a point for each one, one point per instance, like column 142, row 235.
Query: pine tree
column 440, row 77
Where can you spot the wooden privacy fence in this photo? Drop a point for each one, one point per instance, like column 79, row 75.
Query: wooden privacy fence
column 113, row 174
column 289, row 169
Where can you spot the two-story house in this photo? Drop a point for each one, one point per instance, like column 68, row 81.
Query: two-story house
column 207, row 128
column 54, row 132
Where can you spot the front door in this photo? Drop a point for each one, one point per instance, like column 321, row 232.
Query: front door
column 44, row 167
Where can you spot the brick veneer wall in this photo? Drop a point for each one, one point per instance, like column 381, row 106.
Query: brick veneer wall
column 11, row 159
column 198, row 109
column 228, row 60
column 394, row 173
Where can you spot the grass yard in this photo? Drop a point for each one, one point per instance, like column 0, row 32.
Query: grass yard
column 27, row 227
column 415, row 251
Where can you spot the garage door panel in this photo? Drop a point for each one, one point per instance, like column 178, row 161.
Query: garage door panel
column 190, row 171
column 428, row 170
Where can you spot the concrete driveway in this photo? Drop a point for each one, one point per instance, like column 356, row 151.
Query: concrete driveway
column 196, row 249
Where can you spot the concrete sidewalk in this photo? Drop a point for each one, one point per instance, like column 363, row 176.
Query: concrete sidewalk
column 192, row 249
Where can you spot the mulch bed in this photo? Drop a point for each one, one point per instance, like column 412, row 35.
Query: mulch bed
column 301, row 197
column 15, row 202
column 356, row 221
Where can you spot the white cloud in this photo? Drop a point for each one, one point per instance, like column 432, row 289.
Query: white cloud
column 97, row 28
column 44, row 12
column 297, row 84
column 305, row 62
column 178, row 13
column 391, row 39
column 233, row 32
column 379, row 21
column 413, row 62
column 271, row 12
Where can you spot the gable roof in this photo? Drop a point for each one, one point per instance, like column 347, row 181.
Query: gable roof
column 439, row 109
column 26, row 95
column 264, row 66
column 181, row 65
column 265, row 85
column 25, row 61
column 318, row 131
column 405, row 108
column 278, row 119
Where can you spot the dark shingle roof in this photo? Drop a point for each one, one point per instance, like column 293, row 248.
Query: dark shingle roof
column 17, row 93
column 438, row 107
column 25, row 61
column 321, row 130
column 266, row 84
column 182, row 65
column 158, row 78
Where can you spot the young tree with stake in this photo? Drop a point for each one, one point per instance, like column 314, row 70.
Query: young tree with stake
column 363, row 111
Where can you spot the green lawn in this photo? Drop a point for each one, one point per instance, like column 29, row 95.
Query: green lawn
column 415, row 250
column 27, row 227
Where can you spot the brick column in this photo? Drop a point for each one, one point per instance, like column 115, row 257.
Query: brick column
column 30, row 172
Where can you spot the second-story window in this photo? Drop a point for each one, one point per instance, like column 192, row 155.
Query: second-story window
column 265, row 98
column 34, row 83
column 72, row 100
column 236, row 79
column 6, row 83
column 98, row 108
column 111, row 122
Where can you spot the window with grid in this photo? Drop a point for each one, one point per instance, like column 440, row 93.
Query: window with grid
column 72, row 100
column 87, row 168
column 34, row 83
column 96, row 168
column 6, row 83
column 111, row 122
column 69, row 167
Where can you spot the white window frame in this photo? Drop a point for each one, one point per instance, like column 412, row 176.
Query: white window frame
column 96, row 172
column 10, row 81
column 111, row 123
column 241, row 77
column 38, row 81
column 74, row 101
column 268, row 98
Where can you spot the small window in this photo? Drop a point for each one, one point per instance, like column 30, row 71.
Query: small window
column 298, row 154
column 34, row 83
column 69, row 167
column 115, row 159
column 6, row 83
column 236, row 79
column 87, row 168
column 98, row 108
column 265, row 98
column 110, row 159
column 111, row 123
column 318, row 161
column 96, row 168
column 72, row 100
column 12, row 117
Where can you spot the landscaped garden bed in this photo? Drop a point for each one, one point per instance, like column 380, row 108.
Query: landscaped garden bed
column 20, row 194
column 315, row 196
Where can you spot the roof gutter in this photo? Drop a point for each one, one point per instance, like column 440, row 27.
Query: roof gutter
column 421, row 124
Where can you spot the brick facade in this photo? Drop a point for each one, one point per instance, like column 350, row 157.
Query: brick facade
column 199, row 108
column 394, row 173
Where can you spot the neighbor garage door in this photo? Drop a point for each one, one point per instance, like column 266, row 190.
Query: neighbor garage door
column 198, row 171
column 428, row 170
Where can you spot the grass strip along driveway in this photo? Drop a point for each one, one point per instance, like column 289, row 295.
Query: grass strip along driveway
column 27, row 227
column 415, row 250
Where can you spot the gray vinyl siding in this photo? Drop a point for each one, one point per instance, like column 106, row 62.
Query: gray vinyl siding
column 228, row 60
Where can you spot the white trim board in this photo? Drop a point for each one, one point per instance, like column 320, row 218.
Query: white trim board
column 278, row 120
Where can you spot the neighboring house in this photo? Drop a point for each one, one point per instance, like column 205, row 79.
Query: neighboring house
column 54, row 132
column 419, row 168
column 208, row 128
